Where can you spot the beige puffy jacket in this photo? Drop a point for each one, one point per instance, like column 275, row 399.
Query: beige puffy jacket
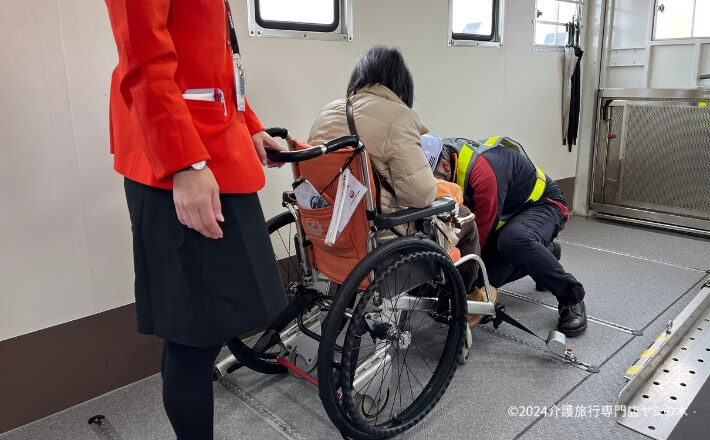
column 391, row 132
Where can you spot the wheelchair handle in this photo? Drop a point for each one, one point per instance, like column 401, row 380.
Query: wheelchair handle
column 313, row 152
column 279, row 132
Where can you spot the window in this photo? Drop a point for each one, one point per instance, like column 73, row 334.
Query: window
column 552, row 18
column 315, row 19
column 681, row 19
column 475, row 22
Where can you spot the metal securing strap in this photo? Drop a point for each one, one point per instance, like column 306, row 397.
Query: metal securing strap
column 260, row 410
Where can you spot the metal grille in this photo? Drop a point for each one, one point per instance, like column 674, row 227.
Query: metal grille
column 665, row 159
column 655, row 166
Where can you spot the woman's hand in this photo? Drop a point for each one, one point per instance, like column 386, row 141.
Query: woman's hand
column 196, row 196
column 262, row 142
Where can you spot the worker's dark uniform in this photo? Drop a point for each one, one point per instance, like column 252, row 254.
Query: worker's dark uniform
column 519, row 211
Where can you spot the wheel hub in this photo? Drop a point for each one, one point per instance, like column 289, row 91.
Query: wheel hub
column 405, row 338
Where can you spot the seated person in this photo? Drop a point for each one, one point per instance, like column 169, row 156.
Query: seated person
column 519, row 212
column 381, row 92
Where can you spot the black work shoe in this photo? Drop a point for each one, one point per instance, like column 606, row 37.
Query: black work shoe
column 573, row 319
column 556, row 250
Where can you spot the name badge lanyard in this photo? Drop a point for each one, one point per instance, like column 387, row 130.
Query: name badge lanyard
column 240, row 81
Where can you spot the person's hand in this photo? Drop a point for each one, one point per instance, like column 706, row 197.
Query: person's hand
column 262, row 142
column 196, row 196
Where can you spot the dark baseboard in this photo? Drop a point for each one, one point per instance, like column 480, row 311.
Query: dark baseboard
column 49, row 370
column 567, row 187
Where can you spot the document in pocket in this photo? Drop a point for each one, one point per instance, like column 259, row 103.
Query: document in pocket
column 350, row 192
column 214, row 95
column 307, row 196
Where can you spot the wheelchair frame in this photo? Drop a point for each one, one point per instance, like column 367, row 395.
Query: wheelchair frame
column 302, row 341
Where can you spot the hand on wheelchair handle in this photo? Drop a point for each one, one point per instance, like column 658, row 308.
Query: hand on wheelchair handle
column 262, row 142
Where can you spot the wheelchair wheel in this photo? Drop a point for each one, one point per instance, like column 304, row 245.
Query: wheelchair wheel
column 403, row 336
column 282, row 232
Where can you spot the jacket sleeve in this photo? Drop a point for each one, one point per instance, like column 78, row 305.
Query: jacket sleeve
column 412, row 179
column 253, row 123
column 148, row 61
column 485, row 197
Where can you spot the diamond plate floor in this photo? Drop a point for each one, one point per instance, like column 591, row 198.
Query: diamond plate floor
column 634, row 277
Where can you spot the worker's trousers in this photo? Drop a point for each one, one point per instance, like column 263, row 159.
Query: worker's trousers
column 520, row 248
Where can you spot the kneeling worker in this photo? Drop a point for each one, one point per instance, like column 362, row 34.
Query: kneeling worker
column 519, row 212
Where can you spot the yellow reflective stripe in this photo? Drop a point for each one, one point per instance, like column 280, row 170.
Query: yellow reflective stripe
column 702, row 104
column 491, row 141
column 634, row 369
column 662, row 339
column 500, row 224
column 462, row 166
column 651, row 352
column 540, row 184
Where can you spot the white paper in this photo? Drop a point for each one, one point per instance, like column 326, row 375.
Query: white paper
column 307, row 196
column 350, row 192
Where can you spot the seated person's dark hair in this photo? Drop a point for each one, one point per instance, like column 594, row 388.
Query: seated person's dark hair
column 383, row 65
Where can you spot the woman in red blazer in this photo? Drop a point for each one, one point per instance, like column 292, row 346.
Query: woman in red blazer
column 204, row 266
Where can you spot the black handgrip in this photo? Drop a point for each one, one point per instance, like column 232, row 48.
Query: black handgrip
column 277, row 132
column 313, row 152
column 294, row 156
column 341, row 142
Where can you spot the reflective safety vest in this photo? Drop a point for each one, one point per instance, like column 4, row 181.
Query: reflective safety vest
column 468, row 151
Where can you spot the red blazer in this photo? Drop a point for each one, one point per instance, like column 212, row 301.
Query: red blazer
column 164, row 48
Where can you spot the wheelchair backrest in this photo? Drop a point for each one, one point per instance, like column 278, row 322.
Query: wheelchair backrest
column 336, row 261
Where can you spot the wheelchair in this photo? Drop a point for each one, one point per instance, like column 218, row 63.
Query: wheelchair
column 382, row 325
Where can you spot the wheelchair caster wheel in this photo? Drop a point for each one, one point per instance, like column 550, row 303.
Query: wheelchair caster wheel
column 369, row 409
column 466, row 348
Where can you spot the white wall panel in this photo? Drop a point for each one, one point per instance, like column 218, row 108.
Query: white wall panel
column 624, row 77
column 630, row 23
column 671, row 67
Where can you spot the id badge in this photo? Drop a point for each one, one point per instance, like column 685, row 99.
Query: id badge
column 240, row 83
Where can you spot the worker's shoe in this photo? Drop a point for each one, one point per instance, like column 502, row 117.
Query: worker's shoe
column 479, row 294
column 573, row 319
column 556, row 250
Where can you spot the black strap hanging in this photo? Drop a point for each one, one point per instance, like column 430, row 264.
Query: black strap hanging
column 230, row 27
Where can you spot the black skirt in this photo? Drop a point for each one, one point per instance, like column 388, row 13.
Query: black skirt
column 197, row 291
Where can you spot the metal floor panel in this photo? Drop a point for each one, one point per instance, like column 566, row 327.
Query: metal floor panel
column 500, row 374
column 620, row 289
column 602, row 390
column 673, row 248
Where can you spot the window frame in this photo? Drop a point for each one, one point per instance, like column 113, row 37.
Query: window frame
column 654, row 25
column 339, row 30
column 554, row 47
column 495, row 39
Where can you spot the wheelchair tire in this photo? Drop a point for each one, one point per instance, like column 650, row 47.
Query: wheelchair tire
column 336, row 371
column 282, row 229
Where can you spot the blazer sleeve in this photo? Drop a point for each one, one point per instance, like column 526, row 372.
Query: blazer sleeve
column 412, row 179
column 253, row 123
column 148, row 61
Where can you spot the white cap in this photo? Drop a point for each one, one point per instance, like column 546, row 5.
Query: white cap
column 431, row 146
